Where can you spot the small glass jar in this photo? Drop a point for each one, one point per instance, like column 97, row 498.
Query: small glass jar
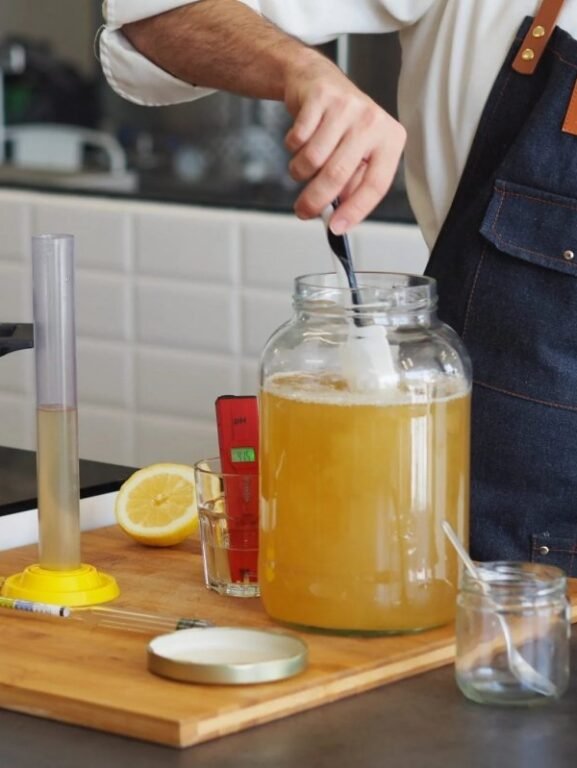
column 364, row 450
column 512, row 632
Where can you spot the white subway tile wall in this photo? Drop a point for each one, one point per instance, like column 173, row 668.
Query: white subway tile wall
column 18, row 421
column 15, row 229
column 16, row 298
column 104, row 304
column 188, row 243
column 185, row 314
column 17, row 376
column 173, row 306
column 102, row 231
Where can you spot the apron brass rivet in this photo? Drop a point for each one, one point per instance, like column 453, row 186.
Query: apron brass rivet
column 568, row 255
column 543, row 550
column 528, row 54
column 539, row 31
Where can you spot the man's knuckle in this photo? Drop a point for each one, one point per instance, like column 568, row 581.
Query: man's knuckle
column 299, row 170
column 374, row 188
column 306, row 208
column 369, row 117
column 337, row 173
column 312, row 157
column 356, row 209
column 400, row 135
column 292, row 140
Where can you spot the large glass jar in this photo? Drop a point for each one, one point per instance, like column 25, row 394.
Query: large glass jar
column 365, row 414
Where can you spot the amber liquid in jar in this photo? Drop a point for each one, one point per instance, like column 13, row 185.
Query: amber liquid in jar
column 353, row 490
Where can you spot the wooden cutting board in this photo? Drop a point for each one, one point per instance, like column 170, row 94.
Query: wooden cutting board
column 95, row 677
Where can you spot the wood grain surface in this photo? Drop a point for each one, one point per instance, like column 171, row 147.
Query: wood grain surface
column 64, row 670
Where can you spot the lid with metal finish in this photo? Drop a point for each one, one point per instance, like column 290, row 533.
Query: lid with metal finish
column 227, row 655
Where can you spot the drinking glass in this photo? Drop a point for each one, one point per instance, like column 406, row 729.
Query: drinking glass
column 228, row 516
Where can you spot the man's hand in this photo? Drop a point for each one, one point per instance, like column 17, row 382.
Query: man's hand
column 343, row 143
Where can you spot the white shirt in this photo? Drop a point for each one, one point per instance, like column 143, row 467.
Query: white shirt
column 452, row 51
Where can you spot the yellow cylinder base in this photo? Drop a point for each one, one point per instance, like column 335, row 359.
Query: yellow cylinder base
column 81, row 586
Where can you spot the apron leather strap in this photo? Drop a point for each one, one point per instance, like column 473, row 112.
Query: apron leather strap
column 570, row 122
column 537, row 37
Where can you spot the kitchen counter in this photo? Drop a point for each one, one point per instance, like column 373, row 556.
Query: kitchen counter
column 165, row 188
column 423, row 722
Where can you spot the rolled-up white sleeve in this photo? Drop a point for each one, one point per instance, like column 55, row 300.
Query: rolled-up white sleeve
column 136, row 78
column 129, row 73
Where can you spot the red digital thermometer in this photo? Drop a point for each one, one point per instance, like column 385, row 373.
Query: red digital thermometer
column 237, row 425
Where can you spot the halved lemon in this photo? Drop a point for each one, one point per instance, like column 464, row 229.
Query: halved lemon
column 157, row 505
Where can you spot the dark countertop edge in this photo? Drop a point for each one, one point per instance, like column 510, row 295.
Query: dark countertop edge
column 18, row 479
column 85, row 493
column 393, row 209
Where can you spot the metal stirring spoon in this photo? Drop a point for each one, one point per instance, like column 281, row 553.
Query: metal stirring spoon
column 519, row 666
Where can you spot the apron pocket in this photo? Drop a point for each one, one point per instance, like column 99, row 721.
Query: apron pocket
column 521, row 322
column 560, row 551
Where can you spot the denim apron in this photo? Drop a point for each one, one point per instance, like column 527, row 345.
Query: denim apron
column 506, row 266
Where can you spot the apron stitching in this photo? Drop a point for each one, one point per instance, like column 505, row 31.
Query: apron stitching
column 502, row 240
column 554, row 259
column 470, row 300
column 571, row 552
column 563, row 59
column 498, row 214
column 560, row 406
column 507, row 193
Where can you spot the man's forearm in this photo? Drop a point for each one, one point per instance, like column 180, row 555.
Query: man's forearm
column 341, row 142
column 221, row 44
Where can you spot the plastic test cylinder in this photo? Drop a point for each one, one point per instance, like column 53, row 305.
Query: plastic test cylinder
column 56, row 402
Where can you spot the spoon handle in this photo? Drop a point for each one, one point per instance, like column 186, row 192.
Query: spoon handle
column 461, row 551
column 341, row 248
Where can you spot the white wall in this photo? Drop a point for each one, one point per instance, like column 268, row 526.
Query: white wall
column 173, row 305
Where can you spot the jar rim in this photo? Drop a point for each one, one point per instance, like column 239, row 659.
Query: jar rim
column 505, row 577
column 377, row 291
